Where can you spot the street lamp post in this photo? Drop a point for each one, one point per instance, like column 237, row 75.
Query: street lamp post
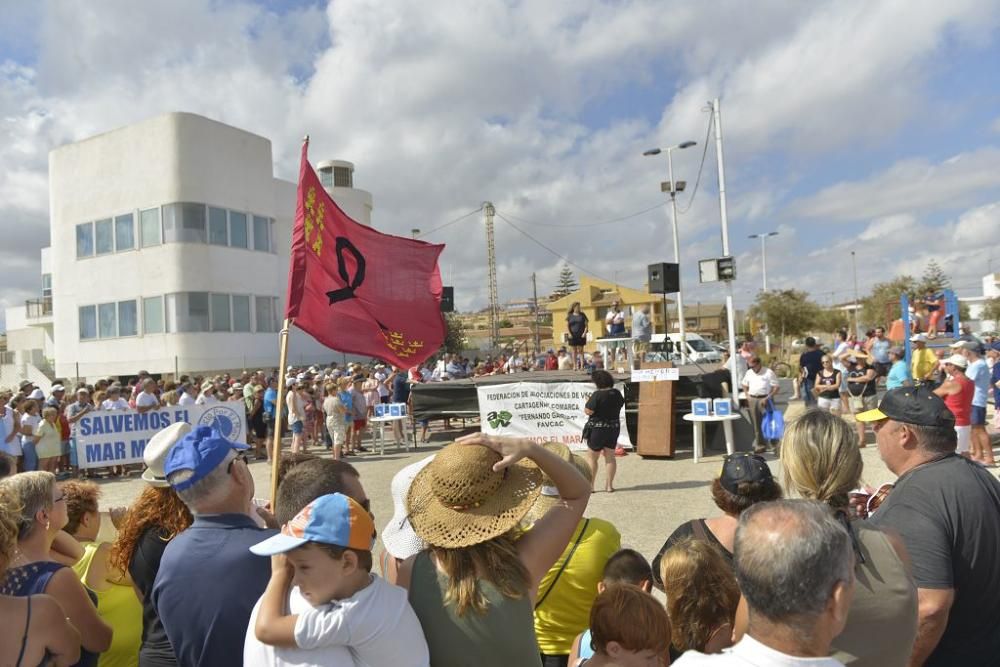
column 674, row 187
column 763, row 255
column 857, row 328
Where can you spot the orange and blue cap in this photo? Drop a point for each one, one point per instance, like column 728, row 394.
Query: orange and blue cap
column 331, row 519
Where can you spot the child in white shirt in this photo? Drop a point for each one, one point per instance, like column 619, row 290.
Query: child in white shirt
column 326, row 552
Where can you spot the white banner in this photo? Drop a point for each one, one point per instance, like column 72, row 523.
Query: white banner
column 543, row 411
column 656, row 374
column 118, row 437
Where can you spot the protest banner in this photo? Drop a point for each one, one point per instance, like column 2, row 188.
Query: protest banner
column 118, row 437
column 542, row 411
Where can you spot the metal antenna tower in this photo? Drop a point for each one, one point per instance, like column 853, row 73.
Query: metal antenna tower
column 491, row 256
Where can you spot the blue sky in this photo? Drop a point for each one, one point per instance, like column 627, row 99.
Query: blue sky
column 866, row 126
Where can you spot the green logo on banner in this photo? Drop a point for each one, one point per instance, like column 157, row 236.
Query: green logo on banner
column 498, row 419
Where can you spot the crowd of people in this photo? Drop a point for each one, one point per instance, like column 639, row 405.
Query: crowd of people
column 492, row 558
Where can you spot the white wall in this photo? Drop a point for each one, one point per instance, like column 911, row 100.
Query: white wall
column 175, row 157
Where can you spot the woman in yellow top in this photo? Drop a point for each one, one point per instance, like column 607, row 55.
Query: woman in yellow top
column 117, row 603
column 48, row 440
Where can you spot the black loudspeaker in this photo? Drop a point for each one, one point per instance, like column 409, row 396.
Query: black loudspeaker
column 447, row 299
column 664, row 278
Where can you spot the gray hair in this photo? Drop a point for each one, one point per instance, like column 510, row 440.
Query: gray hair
column 208, row 489
column 789, row 555
column 33, row 491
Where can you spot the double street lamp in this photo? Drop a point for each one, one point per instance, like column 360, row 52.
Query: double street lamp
column 673, row 187
column 763, row 255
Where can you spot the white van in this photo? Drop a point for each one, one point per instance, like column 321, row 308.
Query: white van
column 699, row 350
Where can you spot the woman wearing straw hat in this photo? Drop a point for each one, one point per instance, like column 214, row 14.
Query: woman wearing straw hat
column 155, row 518
column 862, row 387
column 473, row 589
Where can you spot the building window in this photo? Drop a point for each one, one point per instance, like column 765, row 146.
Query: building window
column 264, row 306
column 260, row 229
column 184, row 223
column 241, row 312
column 326, row 177
column 88, row 322
column 85, row 239
column 107, row 320
column 238, row 229
column 104, row 241
column 274, row 249
column 187, row 312
column 46, row 285
column 128, row 319
column 150, row 233
column 218, row 234
column 342, row 177
column 220, row 312
column 124, row 233
column 152, row 315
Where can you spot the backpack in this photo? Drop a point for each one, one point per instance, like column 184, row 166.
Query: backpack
column 772, row 426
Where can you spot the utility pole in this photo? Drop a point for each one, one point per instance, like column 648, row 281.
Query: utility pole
column 763, row 256
column 857, row 328
column 677, row 258
column 730, row 324
column 534, row 292
column 491, row 258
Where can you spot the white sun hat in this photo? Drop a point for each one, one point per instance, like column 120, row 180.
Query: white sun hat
column 155, row 454
column 398, row 536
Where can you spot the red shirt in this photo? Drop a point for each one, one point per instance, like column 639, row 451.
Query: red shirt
column 960, row 404
column 551, row 363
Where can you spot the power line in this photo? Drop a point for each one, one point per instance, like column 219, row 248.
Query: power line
column 563, row 258
column 704, row 152
column 449, row 223
column 590, row 224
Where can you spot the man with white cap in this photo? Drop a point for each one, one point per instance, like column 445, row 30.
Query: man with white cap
column 208, row 580
column 977, row 371
column 923, row 361
column 957, row 391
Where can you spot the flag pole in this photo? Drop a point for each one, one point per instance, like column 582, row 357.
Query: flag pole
column 279, row 405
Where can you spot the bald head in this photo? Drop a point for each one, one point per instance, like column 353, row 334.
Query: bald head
column 789, row 557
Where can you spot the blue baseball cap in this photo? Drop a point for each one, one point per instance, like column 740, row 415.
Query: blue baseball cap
column 201, row 451
column 331, row 519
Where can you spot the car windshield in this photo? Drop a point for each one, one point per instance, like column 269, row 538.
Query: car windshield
column 699, row 345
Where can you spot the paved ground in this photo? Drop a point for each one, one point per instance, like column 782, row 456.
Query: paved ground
column 653, row 496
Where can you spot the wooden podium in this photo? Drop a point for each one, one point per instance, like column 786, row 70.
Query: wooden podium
column 656, row 424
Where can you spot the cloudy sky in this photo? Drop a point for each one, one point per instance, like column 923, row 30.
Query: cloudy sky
column 871, row 126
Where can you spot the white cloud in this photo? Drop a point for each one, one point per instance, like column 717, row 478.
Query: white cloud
column 909, row 185
column 442, row 105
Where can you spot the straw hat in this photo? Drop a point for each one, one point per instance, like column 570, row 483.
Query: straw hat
column 549, row 495
column 458, row 500
column 155, row 454
column 398, row 536
column 859, row 354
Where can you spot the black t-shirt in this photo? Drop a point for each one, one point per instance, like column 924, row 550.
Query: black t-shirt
column 577, row 324
column 832, row 381
column 156, row 650
column 861, row 388
column 948, row 514
column 694, row 529
column 606, row 404
column 812, row 362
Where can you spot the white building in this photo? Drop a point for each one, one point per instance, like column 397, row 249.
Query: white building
column 169, row 252
column 991, row 290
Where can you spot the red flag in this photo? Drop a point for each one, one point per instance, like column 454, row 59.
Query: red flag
column 357, row 290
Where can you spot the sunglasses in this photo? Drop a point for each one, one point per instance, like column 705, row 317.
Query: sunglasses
column 59, row 499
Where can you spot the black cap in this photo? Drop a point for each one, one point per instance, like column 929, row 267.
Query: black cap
column 743, row 467
column 910, row 405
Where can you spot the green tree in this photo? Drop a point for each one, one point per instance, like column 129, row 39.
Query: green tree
column 991, row 310
column 454, row 340
column 934, row 279
column 785, row 312
column 829, row 320
column 881, row 307
column 566, row 284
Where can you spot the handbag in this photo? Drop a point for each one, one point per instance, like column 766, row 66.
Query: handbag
column 772, row 426
column 588, row 428
column 857, row 403
column 548, row 590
